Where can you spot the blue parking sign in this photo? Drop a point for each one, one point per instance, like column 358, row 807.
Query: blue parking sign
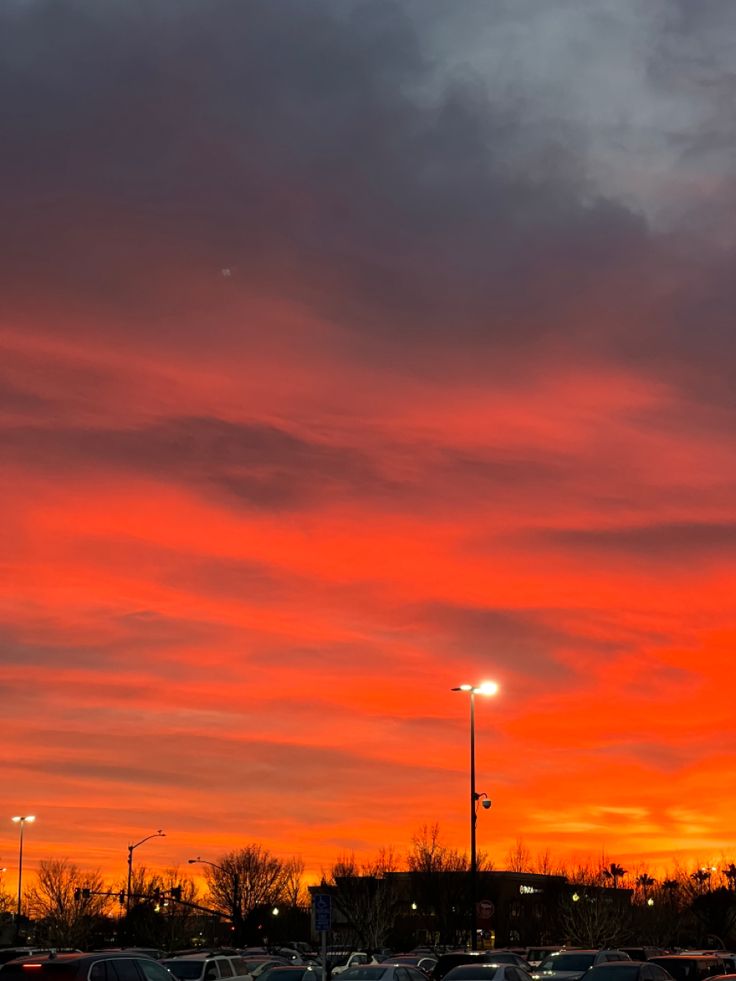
column 322, row 905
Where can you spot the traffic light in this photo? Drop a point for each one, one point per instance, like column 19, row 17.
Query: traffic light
column 77, row 895
column 121, row 897
column 176, row 893
column 157, row 894
column 86, row 893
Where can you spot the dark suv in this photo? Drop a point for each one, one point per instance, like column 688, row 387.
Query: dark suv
column 104, row 966
column 691, row 967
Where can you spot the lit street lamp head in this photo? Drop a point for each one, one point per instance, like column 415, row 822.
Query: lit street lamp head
column 484, row 688
column 30, row 818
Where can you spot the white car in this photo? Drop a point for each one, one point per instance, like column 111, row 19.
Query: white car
column 358, row 958
column 206, row 967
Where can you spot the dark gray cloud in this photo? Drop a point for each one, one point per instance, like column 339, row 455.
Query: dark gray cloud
column 290, row 142
column 527, row 642
column 665, row 542
column 263, row 466
column 122, row 641
column 255, row 464
column 465, row 178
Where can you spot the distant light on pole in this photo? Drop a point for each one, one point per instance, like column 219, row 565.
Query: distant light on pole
column 235, row 877
column 21, row 821
column 484, row 688
column 131, row 849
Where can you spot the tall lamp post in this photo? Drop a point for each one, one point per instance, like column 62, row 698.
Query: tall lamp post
column 484, row 688
column 235, row 876
column 131, row 849
column 21, row 821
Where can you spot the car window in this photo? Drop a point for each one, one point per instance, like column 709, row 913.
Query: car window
column 226, row 968
column 415, row 974
column 123, row 969
column 210, row 971
column 98, row 971
column 239, row 965
column 401, row 974
column 153, row 971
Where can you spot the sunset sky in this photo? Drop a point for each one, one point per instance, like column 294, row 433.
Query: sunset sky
column 350, row 351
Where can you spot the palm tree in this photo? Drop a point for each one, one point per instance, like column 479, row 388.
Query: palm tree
column 701, row 876
column 613, row 872
column 643, row 882
column 730, row 874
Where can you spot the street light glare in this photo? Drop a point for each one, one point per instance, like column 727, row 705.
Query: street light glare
column 30, row 818
column 486, row 688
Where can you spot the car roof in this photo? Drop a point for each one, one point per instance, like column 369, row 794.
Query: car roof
column 617, row 964
column 200, row 957
column 96, row 955
column 686, row 957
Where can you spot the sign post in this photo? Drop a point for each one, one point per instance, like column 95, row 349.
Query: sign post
column 322, row 906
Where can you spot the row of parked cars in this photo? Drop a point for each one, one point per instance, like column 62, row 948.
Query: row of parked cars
column 570, row 964
column 536, row 964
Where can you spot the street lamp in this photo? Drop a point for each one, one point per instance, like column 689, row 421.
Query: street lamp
column 235, row 876
column 484, row 688
column 21, row 821
column 131, row 849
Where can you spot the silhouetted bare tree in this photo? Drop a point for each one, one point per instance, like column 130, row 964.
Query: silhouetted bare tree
column 367, row 897
column 57, row 898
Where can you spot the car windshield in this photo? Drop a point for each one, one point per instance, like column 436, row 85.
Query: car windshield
column 184, row 970
column 568, row 962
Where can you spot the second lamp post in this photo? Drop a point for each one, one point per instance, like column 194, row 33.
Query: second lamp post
column 484, row 688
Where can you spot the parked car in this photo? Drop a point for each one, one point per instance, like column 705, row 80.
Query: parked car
column 487, row 972
column 425, row 962
column 11, row 953
column 509, row 957
column 627, row 971
column 455, row 958
column 290, row 954
column 643, row 953
column 102, row 966
column 385, row 971
column 535, row 955
column 356, row 958
column 207, row 967
column 691, row 967
column 293, row 972
column 569, row 965
column 256, row 966
column 728, row 958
